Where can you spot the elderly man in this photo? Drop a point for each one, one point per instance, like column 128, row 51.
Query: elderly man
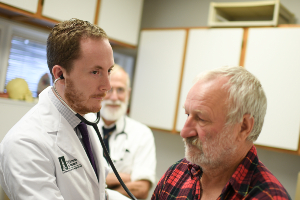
column 225, row 112
column 130, row 143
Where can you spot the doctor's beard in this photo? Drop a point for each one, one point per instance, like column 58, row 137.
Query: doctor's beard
column 113, row 114
column 77, row 100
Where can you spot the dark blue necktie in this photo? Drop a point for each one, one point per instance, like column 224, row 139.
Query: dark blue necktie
column 86, row 141
column 106, row 134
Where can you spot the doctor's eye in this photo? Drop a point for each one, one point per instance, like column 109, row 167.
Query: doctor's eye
column 95, row 72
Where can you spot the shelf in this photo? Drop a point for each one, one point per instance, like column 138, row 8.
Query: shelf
column 244, row 14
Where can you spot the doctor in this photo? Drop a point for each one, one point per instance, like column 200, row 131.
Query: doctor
column 49, row 153
column 130, row 143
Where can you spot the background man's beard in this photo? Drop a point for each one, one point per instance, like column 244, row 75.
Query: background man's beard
column 113, row 114
column 210, row 153
column 75, row 99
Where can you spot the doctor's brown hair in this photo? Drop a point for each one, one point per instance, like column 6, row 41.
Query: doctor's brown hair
column 63, row 43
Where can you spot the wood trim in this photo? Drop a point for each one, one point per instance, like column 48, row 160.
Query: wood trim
column 174, row 28
column 289, row 25
column 244, row 47
column 277, row 149
column 39, row 9
column 35, row 19
column 97, row 12
column 164, row 130
column 298, row 152
column 180, row 80
column 16, row 10
column 118, row 43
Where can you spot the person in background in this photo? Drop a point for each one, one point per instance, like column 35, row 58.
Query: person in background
column 50, row 153
column 130, row 143
column 225, row 111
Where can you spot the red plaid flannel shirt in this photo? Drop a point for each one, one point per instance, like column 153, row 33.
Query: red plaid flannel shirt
column 251, row 180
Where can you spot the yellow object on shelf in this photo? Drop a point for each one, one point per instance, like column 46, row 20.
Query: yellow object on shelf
column 18, row 89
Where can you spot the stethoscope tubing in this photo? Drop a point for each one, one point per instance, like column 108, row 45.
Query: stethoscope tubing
column 94, row 125
column 123, row 131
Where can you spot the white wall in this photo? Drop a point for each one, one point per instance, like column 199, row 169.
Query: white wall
column 194, row 13
column 169, row 149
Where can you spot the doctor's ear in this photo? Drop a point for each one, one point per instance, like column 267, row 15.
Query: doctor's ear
column 58, row 72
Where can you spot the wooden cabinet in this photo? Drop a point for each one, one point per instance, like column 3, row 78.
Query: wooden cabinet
column 161, row 83
column 272, row 55
column 157, row 77
column 61, row 10
column 28, row 5
column 207, row 49
column 121, row 19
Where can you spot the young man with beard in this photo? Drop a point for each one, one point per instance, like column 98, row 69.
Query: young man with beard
column 130, row 143
column 225, row 112
column 50, row 153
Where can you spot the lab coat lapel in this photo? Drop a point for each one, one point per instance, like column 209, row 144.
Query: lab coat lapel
column 69, row 142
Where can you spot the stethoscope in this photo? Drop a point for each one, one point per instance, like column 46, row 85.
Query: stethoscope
column 95, row 126
column 121, row 154
column 122, row 132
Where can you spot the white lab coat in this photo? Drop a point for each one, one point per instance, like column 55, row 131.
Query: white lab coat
column 132, row 149
column 41, row 158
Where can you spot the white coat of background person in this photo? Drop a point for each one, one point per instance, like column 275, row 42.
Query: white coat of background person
column 43, row 157
column 131, row 144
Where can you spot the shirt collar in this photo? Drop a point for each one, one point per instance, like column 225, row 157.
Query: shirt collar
column 64, row 111
column 240, row 180
column 119, row 124
column 194, row 170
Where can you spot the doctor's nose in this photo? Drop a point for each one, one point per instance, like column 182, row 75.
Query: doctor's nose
column 105, row 84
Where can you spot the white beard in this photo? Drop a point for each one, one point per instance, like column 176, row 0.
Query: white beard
column 113, row 114
column 213, row 153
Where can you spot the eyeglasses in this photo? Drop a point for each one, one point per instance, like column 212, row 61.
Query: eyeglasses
column 119, row 90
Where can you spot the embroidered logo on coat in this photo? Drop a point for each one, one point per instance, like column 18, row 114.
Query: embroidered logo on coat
column 68, row 165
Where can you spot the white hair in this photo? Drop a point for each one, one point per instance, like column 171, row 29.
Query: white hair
column 246, row 96
column 117, row 68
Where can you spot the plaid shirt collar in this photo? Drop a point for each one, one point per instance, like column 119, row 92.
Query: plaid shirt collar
column 241, row 178
column 194, row 170
column 251, row 180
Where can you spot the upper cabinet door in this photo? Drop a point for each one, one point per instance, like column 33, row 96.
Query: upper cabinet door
column 272, row 55
column 28, row 5
column 157, row 77
column 66, row 9
column 207, row 49
column 121, row 19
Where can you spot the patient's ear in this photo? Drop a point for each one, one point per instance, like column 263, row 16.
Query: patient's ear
column 246, row 126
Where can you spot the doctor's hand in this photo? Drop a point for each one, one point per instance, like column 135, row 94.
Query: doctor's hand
column 112, row 181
